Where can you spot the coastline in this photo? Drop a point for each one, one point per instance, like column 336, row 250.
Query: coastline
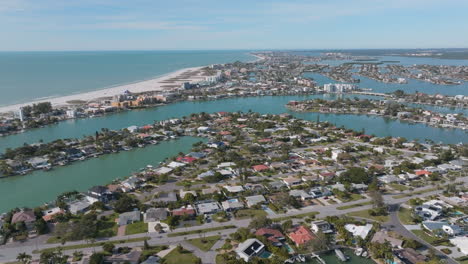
column 151, row 85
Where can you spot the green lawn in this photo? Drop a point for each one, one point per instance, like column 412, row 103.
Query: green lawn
column 398, row 187
column 199, row 231
column 298, row 216
column 352, row 206
column 365, row 214
column 353, row 197
column 414, row 193
column 420, row 233
column 136, row 228
column 176, row 257
column 88, row 245
column 404, row 214
column 205, row 243
column 249, row 213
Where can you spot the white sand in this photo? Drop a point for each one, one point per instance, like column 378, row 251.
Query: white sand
column 137, row 87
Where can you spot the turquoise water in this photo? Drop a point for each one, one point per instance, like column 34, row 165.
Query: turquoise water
column 25, row 76
column 43, row 186
column 267, row 104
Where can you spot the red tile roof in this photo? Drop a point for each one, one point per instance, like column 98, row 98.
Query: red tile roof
column 301, row 236
column 186, row 159
column 260, row 167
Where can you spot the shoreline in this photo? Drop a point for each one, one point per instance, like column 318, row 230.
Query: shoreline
column 138, row 86
column 150, row 85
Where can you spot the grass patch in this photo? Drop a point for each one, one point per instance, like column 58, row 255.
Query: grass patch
column 414, row 193
column 352, row 206
column 404, row 214
column 352, row 197
column 398, row 187
column 136, row 228
column 429, row 239
column 199, row 231
column 97, row 244
column 205, row 243
column 298, row 216
column 365, row 214
column 177, row 257
column 249, row 213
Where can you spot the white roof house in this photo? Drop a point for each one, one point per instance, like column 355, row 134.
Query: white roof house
column 208, row 208
column 361, row 231
column 175, row 164
column 250, row 248
column 234, row 189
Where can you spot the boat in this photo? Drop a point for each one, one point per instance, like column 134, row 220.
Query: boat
column 301, row 258
column 341, row 256
column 358, row 251
column 365, row 254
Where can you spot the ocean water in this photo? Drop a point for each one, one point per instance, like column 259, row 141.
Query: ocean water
column 26, row 76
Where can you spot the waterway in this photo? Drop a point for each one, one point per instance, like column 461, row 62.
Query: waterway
column 40, row 187
column 330, row 258
column 266, row 104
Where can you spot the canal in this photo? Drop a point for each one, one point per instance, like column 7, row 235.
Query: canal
column 265, row 104
column 40, row 187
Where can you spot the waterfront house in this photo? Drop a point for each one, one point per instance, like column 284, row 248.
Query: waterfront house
column 79, row 206
column 155, row 214
column 409, row 255
column 39, row 162
column 301, row 235
column 383, row 236
column 250, row 248
column 49, row 214
column 275, row 236
column 26, row 216
column 321, row 225
column 360, row 231
column 129, row 217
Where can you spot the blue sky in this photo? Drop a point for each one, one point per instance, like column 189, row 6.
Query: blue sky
column 240, row 24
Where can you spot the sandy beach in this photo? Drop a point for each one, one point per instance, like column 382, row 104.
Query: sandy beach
column 166, row 82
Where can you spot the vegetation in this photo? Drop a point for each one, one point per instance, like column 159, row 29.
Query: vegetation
column 180, row 255
column 204, row 243
column 199, row 231
column 366, row 214
column 136, row 228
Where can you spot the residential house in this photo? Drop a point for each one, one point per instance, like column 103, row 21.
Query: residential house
column 155, row 214
column 410, row 255
column 382, row 236
column 131, row 257
column 129, row 217
column 301, row 235
column 250, row 248
column 232, row 205
column 208, row 208
column 79, row 206
column 255, row 199
column 292, row 182
column 184, row 211
column 26, row 216
column 300, row 194
column 321, row 225
column 360, row 231
column 166, row 197
column 274, row 235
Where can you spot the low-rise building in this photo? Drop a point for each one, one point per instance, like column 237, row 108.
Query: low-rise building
column 250, row 248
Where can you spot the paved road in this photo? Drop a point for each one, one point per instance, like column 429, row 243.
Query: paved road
column 395, row 225
column 10, row 251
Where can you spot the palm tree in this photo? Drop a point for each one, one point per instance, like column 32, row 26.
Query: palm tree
column 24, row 258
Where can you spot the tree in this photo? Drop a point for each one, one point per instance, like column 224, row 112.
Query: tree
column 96, row 258
column 259, row 222
column 125, row 203
column 55, row 257
column 108, row 247
column 24, row 258
column 41, row 226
